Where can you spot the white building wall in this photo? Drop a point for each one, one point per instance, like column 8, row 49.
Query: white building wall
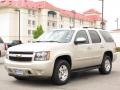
column 9, row 23
column 116, row 37
column 4, row 24
column 44, row 18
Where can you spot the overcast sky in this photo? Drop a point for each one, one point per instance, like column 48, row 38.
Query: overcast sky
column 111, row 8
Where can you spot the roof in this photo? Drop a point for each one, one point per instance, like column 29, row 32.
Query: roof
column 71, row 14
column 43, row 4
column 93, row 17
column 91, row 11
column 117, row 30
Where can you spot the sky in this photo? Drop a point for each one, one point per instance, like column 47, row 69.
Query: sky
column 111, row 8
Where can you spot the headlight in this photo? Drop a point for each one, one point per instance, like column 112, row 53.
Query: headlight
column 42, row 56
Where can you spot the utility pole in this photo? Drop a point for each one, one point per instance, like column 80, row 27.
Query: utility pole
column 73, row 11
column 102, row 22
column 102, row 14
column 117, row 21
column 19, row 21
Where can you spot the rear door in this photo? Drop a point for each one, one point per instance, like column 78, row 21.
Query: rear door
column 96, row 47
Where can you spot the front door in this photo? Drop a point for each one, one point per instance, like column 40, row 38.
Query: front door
column 82, row 51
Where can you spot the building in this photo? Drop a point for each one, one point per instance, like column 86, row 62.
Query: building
column 116, row 35
column 40, row 13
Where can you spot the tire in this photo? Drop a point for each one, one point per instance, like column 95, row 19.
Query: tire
column 61, row 72
column 20, row 78
column 0, row 54
column 106, row 65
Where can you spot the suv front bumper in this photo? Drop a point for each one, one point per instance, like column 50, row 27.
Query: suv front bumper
column 35, row 68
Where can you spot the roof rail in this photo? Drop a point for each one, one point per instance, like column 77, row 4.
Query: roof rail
column 92, row 27
column 87, row 27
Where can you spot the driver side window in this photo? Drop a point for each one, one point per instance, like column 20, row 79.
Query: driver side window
column 82, row 34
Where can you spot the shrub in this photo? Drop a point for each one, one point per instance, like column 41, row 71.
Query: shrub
column 118, row 49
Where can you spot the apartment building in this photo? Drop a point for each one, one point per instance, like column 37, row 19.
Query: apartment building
column 25, row 15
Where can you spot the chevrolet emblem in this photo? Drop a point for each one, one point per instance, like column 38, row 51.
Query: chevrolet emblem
column 18, row 55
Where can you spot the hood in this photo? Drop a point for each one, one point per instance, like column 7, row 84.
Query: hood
column 41, row 46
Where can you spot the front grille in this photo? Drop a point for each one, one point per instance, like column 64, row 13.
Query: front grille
column 20, row 59
column 12, row 52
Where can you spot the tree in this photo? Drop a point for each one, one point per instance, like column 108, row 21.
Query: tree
column 38, row 32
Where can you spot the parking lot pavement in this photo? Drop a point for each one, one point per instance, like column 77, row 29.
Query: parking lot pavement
column 90, row 80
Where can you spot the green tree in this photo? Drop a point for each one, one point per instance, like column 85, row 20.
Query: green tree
column 38, row 32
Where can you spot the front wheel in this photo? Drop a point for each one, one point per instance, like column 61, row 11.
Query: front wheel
column 106, row 65
column 61, row 72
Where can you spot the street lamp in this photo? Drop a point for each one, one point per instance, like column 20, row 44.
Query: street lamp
column 73, row 11
column 19, row 21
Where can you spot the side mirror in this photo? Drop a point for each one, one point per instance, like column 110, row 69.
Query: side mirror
column 80, row 40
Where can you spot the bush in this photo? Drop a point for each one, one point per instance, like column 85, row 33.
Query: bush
column 118, row 49
column 38, row 32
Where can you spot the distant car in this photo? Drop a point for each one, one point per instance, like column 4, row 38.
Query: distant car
column 2, row 47
column 14, row 42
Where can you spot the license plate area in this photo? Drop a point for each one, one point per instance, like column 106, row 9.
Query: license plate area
column 19, row 72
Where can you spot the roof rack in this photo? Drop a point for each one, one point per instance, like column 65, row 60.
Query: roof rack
column 92, row 27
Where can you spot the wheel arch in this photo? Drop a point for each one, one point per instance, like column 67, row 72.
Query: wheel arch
column 109, row 53
column 64, row 57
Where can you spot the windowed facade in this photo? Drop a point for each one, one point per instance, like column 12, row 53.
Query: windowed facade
column 54, row 24
column 61, row 18
column 33, row 23
column 29, row 22
column 29, row 32
column 48, row 23
column 31, row 12
column 61, row 26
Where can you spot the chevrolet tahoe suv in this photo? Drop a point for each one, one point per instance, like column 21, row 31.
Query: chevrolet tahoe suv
column 59, row 52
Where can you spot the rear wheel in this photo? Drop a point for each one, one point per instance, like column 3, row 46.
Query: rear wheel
column 61, row 72
column 106, row 65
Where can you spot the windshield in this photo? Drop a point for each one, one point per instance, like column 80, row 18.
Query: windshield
column 61, row 36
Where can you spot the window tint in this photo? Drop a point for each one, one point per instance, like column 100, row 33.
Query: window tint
column 94, row 36
column 82, row 33
column 107, row 37
column 1, row 41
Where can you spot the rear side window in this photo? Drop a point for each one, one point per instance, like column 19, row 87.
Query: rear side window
column 1, row 41
column 94, row 36
column 107, row 37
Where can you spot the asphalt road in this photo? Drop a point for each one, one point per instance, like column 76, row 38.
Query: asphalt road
column 90, row 80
